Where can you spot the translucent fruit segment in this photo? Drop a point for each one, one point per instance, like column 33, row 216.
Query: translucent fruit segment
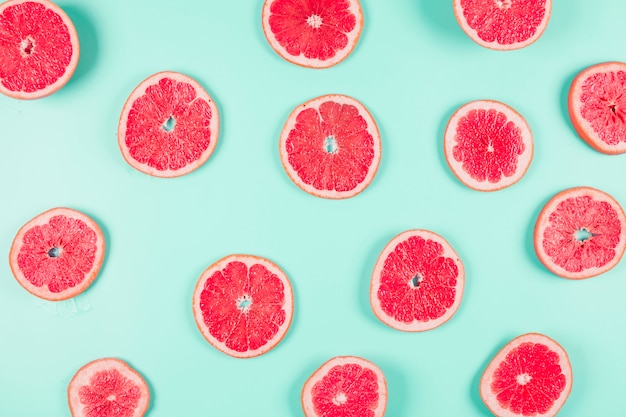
column 346, row 390
column 109, row 394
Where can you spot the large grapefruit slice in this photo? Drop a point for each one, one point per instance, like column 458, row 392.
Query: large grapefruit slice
column 330, row 147
column 345, row 386
column 530, row 376
column 57, row 254
column 313, row 33
column 108, row 387
column 39, row 48
column 580, row 233
column 243, row 305
column 169, row 125
column 597, row 106
column 417, row 282
column 503, row 24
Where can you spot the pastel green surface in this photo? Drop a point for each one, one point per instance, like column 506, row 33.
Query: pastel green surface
column 412, row 67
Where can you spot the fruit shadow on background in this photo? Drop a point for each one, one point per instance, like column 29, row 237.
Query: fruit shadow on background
column 475, row 385
column 441, row 131
column 88, row 41
column 565, row 103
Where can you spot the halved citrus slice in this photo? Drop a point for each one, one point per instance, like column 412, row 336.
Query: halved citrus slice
column 417, row 283
column 108, row 387
column 169, row 125
column 580, row 233
column 57, row 254
column 530, row 376
column 313, row 33
column 597, row 106
column 39, row 48
column 503, row 24
column 243, row 305
column 488, row 145
column 345, row 386
column 330, row 147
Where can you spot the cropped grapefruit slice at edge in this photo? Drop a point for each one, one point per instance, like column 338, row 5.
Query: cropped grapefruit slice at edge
column 346, row 386
column 513, row 376
column 61, row 248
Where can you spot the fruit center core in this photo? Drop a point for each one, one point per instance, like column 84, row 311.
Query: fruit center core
column 54, row 252
column 26, row 46
column 503, row 4
column 330, row 145
column 244, row 302
column 523, row 379
column 415, row 281
column 169, row 124
column 111, row 397
column 490, row 148
column 340, row 399
column 583, row 235
column 315, row 21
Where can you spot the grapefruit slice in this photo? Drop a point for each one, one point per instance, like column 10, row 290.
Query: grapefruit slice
column 108, row 387
column 580, row 233
column 313, row 33
column 488, row 145
column 330, row 147
column 417, row 283
column 39, row 48
column 243, row 305
column 597, row 106
column 530, row 376
column 345, row 386
column 503, row 24
column 57, row 254
column 169, row 126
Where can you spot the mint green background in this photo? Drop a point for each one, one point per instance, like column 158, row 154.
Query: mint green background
column 412, row 67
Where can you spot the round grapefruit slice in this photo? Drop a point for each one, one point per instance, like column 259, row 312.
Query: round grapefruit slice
column 345, row 386
column 243, row 305
column 488, row 145
column 57, row 254
column 39, row 48
column 169, row 126
column 580, row 233
column 330, row 147
column 418, row 282
column 530, row 376
column 503, row 24
column 597, row 106
column 313, row 33
column 108, row 387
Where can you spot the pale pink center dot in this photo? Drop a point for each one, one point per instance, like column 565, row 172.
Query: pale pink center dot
column 111, row 397
column 243, row 303
column 315, row 21
column 503, row 4
column 26, row 46
column 340, row 399
column 490, row 148
column 523, row 379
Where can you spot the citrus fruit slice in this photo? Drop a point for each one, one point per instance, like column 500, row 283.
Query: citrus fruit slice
column 169, row 125
column 417, row 283
column 503, row 24
column 39, row 48
column 313, row 33
column 345, row 386
column 330, row 147
column 580, row 233
column 488, row 145
column 108, row 387
column 530, row 376
column 57, row 254
column 597, row 106
column 243, row 305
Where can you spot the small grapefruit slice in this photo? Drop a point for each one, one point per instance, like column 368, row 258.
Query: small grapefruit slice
column 169, row 125
column 503, row 24
column 417, row 283
column 313, row 33
column 243, row 305
column 597, row 106
column 57, row 254
column 330, row 147
column 580, row 233
column 39, row 48
column 488, row 145
column 345, row 386
column 108, row 387
column 530, row 376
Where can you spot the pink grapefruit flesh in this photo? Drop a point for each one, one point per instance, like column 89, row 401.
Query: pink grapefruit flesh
column 39, row 48
column 530, row 376
column 169, row 126
column 243, row 305
column 417, row 283
column 597, row 106
column 108, row 387
column 57, row 254
column 330, row 147
column 580, row 233
column 345, row 386
column 312, row 33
